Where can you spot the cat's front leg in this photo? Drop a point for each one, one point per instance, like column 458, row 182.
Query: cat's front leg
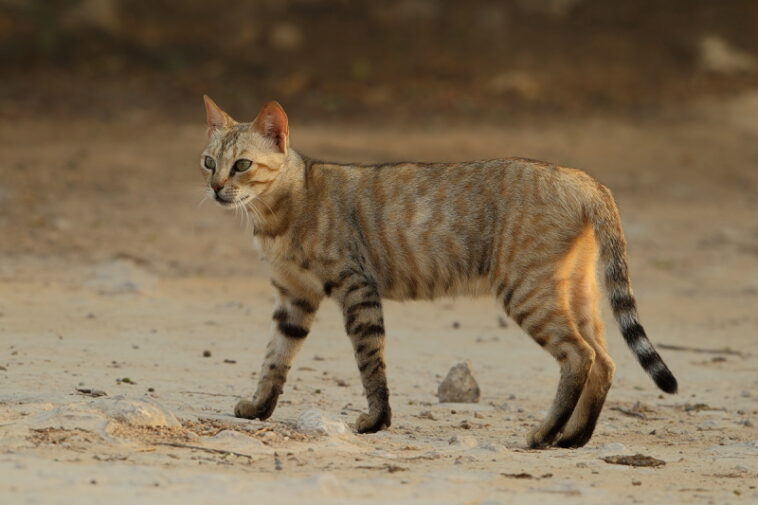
column 364, row 323
column 293, row 314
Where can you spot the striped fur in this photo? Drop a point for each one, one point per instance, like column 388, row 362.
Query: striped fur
column 527, row 232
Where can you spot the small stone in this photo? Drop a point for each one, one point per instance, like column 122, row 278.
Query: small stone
column 314, row 421
column 426, row 414
column 145, row 412
column 635, row 460
column 206, row 353
column 91, row 392
column 459, row 386
column 463, row 441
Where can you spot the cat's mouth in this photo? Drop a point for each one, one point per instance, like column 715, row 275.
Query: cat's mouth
column 230, row 203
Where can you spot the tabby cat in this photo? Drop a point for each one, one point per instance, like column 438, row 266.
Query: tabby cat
column 527, row 232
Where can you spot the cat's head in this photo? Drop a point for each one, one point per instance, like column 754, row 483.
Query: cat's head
column 243, row 160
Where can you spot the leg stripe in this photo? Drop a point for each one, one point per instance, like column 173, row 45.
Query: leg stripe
column 363, row 305
column 372, row 330
column 280, row 315
column 328, row 287
column 292, row 330
column 354, row 287
column 304, row 305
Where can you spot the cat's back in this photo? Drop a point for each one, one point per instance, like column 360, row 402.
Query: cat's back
column 513, row 177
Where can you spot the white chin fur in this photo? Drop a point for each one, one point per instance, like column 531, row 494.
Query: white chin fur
column 228, row 204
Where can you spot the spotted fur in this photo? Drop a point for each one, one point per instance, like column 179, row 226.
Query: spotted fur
column 526, row 232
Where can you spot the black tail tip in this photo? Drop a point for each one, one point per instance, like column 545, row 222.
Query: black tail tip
column 666, row 381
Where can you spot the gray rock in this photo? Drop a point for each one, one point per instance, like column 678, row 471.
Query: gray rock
column 231, row 440
column 314, row 421
column 459, row 386
column 99, row 415
column 463, row 441
column 138, row 412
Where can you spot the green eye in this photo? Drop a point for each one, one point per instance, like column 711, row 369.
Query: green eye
column 209, row 163
column 242, row 165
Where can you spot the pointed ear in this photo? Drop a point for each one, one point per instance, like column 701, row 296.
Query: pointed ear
column 217, row 118
column 272, row 123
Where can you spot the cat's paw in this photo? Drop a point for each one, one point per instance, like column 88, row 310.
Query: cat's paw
column 573, row 441
column 374, row 421
column 537, row 440
column 247, row 409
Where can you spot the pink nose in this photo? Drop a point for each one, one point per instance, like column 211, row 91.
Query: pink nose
column 217, row 186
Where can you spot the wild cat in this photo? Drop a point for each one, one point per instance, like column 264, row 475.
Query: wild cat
column 526, row 232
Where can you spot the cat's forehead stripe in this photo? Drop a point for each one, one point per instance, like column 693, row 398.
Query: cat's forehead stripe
column 230, row 139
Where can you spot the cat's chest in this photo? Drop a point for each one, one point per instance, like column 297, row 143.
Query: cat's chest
column 272, row 249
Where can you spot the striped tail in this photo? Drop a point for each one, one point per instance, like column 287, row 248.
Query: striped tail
column 606, row 222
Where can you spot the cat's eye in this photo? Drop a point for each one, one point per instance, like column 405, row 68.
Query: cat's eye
column 209, row 163
column 242, row 165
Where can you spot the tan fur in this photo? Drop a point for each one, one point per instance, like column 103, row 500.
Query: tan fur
column 524, row 231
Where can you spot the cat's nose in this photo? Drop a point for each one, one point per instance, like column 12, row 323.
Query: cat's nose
column 216, row 186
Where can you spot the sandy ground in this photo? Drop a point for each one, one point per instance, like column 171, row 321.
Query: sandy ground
column 114, row 277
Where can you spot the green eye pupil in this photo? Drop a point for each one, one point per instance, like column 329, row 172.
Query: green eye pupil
column 242, row 165
column 210, row 163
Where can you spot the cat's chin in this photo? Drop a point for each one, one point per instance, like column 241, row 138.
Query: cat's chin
column 229, row 204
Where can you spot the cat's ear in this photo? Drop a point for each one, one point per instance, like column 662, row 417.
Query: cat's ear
column 272, row 123
column 217, row 118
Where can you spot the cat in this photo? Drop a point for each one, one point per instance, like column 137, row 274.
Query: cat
column 527, row 232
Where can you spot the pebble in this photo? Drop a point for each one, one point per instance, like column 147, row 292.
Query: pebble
column 463, row 441
column 230, row 440
column 314, row 421
column 459, row 386
column 145, row 412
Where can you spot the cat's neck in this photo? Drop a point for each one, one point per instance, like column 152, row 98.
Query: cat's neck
column 272, row 211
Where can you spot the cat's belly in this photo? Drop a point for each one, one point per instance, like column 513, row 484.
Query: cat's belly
column 430, row 289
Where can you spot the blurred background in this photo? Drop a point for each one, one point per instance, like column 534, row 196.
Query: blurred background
column 114, row 264
column 366, row 61
column 101, row 116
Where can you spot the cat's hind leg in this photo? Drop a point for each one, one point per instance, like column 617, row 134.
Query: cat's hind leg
column 540, row 307
column 584, row 305
column 293, row 315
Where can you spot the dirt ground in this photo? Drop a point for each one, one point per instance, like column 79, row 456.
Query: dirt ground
column 114, row 276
